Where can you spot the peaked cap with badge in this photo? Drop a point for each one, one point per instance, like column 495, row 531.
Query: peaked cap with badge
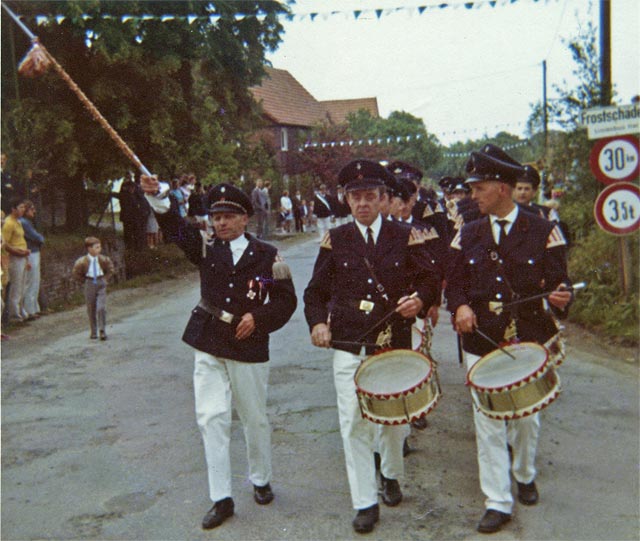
column 402, row 170
column 228, row 198
column 531, row 176
column 364, row 175
column 493, row 163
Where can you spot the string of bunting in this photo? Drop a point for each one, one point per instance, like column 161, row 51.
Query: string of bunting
column 391, row 139
column 504, row 147
column 357, row 14
column 359, row 142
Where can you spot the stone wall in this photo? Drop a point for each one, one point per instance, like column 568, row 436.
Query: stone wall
column 58, row 285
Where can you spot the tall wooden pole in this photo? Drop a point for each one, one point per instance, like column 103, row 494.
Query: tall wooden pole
column 624, row 252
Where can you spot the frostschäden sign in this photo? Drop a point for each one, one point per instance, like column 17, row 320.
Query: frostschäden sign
column 613, row 120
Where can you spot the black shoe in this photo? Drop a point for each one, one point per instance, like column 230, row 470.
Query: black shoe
column 391, row 493
column 220, row 512
column 366, row 519
column 420, row 424
column 93, row 336
column 262, row 495
column 492, row 521
column 376, row 460
column 103, row 335
column 527, row 493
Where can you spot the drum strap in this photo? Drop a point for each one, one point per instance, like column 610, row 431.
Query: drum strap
column 379, row 286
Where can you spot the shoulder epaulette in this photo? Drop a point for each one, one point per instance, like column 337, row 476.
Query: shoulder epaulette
column 455, row 243
column 280, row 269
column 416, row 236
column 326, row 241
column 555, row 238
column 427, row 211
column 439, row 207
column 431, row 233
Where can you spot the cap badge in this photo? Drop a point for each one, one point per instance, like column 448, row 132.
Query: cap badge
column 222, row 190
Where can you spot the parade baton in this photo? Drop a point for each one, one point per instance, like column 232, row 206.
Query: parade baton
column 38, row 60
column 494, row 343
column 575, row 287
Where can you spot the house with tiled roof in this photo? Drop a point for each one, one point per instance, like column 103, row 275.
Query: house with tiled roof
column 290, row 112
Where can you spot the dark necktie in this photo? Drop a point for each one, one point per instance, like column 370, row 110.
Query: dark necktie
column 503, row 233
column 225, row 250
column 371, row 245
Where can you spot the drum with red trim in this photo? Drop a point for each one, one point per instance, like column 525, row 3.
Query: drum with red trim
column 505, row 388
column 396, row 387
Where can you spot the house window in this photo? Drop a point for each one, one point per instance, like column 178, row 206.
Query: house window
column 284, row 139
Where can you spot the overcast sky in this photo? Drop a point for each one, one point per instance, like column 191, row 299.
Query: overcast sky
column 465, row 72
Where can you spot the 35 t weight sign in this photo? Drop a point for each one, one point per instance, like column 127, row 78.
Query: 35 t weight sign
column 617, row 209
column 615, row 159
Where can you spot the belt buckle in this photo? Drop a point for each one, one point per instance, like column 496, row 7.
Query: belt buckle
column 226, row 316
column 366, row 306
column 495, row 307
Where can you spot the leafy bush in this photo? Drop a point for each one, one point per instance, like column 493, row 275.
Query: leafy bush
column 602, row 306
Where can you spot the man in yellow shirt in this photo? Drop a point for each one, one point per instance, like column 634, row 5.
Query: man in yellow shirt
column 14, row 243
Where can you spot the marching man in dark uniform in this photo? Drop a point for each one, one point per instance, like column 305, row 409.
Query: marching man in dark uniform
column 503, row 256
column 364, row 270
column 247, row 293
column 525, row 193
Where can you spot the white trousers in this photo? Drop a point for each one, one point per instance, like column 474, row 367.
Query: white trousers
column 215, row 381
column 324, row 224
column 359, row 437
column 492, row 437
column 32, row 285
column 17, row 277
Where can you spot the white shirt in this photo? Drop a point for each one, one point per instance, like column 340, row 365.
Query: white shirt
column 94, row 266
column 238, row 246
column 375, row 228
column 495, row 226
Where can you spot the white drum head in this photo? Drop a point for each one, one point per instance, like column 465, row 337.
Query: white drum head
column 392, row 372
column 497, row 370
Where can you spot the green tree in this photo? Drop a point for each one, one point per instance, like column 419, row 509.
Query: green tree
column 174, row 89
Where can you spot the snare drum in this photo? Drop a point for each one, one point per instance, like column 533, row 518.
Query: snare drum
column 397, row 386
column 504, row 388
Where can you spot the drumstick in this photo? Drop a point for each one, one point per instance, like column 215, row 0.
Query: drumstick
column 493, row 343
column 579, row 285
column 387, row 316
column 350, row 343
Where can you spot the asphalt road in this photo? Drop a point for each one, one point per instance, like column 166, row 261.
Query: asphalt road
column 99, row 439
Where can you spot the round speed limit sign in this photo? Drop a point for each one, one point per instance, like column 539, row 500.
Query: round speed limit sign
column 615, row 159
column 617, row 208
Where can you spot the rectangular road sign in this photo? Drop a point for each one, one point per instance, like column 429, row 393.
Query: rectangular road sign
column 613, row 120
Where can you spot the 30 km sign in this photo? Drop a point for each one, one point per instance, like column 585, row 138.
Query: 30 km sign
column 617, row 208
column 615, row 159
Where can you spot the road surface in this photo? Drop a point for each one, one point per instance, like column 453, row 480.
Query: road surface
column 99, row 439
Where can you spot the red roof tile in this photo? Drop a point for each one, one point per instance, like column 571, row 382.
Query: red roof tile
column 286, row 102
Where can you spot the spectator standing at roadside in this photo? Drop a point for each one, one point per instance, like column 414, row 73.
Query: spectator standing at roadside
column 94, row 270
column 197, row 210
column 260, row 202
column 178, row 196
column 4, row 270
column 286, row 206
column 15, row 244
column 31, row 308
column 341, row 207
column 134, row 212
column 298, row 215
column 323, row 211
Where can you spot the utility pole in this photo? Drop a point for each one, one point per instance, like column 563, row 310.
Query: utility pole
column 624, row 252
